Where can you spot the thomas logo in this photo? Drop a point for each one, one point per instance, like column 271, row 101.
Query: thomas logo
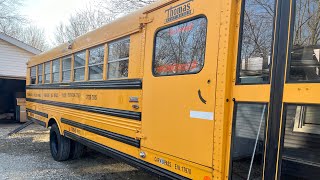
column 179, row 11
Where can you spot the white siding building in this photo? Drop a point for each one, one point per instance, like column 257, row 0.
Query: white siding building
column 14, row 56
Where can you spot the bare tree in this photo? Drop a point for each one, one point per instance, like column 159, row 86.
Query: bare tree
column 307, row 26
column 257, row 36
column 30, row 35
column 34, row 37
column 180, row 49
column 12, row 23
column 94, row 16
column 9, row 15
column 80, row 23
column 306, row 41
column 121, row 7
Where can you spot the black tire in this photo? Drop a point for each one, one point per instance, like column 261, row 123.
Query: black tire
column 77, row 150
column 59, row 145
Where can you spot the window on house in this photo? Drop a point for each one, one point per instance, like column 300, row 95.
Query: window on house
column 47, row 68
column 301, row 142
column 56, row 71
column 66, row 69
column 180, row 49
column 40, row 71
column 306, row 120
column 33, row 75
column 118, row 59
column 96, row 60
column 79, row 66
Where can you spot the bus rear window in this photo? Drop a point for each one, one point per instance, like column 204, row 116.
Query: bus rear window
column 180, row 49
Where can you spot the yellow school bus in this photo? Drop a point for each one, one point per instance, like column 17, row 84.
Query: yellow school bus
column 190, row 89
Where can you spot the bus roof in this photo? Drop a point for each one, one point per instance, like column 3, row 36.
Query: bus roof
column 116, row 29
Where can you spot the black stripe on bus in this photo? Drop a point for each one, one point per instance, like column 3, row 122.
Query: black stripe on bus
column 125, row 157
column 38, row 113
column 111, row 84
column 106, row 111
column 41, row 123
column 277, row 89
column 101, row 132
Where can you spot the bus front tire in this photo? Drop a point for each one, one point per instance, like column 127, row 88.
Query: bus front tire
column 59, row 145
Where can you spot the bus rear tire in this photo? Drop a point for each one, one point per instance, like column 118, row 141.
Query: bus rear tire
column 77, row 151
column 59, row 145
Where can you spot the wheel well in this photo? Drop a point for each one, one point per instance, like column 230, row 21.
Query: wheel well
column 52, row 122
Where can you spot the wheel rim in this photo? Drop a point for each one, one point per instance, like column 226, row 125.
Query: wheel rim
column 54, row 143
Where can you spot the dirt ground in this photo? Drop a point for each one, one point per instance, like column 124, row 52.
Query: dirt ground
column 26, row 155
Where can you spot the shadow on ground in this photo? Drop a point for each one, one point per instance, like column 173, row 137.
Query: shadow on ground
column 26, row 155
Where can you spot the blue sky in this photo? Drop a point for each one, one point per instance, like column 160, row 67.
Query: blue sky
column 47, row 14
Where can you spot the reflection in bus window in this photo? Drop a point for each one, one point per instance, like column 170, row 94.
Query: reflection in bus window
column 33, row 75
column 79, row 66
column 305, row 55
column 96, row 59
column 118, row 60
column 40, row 71
column 56, row 71
column 66, row 69
column 181, row 49
column 301, row 148
column 248, row 141
column 47, row 72
column 256, row 42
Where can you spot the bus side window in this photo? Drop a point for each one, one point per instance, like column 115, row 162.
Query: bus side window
column 40, row 71
column 79, row 66
column 96, row 60
column 180, row 49
column 66, row 69
column 33, row 75
column 256, row 35
column 56, row 71
column 47, row 67
column 304, row 63
column 118, row 59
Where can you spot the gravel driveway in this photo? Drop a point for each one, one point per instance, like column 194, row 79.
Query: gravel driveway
column 26, row 155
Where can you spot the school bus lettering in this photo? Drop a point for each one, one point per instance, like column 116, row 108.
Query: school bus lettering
column 182, row 168
column 75, row 130
column 186, row 170
column 74, row 95
column 163, row 161
column 91, row 97
column 36, row 95
column 54, row 95
column 179, row 11
column 163, row 87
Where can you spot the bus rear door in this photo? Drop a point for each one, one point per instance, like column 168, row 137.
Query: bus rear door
column 179, row 81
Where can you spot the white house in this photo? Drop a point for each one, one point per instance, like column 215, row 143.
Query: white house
column 14, row 55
